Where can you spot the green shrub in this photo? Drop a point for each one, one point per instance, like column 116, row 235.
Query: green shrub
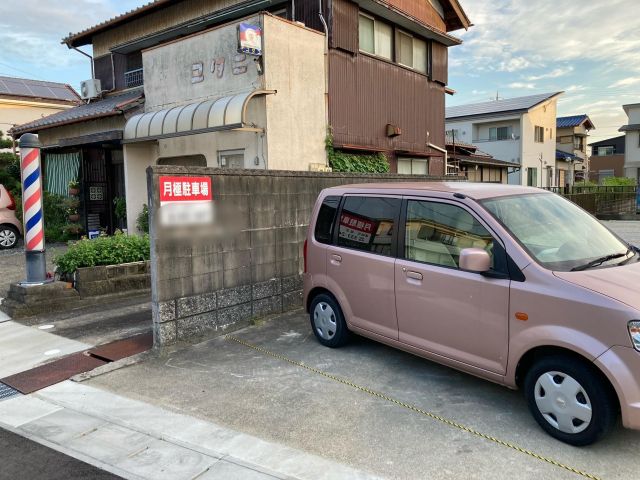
column 618, row 181
column 113, row 250
column 142, row 222
column 340, row 161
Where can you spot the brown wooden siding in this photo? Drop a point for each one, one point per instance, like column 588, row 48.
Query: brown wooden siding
column 439, row 63
column 366, row 94
column 104, row 71
column 421, row 10
column 119, row 66
column 307, row 13
column 344, row 26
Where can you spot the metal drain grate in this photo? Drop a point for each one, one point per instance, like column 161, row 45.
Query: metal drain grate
column 6, row 391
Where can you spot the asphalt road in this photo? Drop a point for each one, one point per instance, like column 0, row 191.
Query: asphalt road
column 21, row 458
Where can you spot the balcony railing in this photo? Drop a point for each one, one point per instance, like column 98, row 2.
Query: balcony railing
column 133, row 78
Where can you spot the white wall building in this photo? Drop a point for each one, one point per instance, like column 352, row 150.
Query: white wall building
column 519, row 130
column 632, row 141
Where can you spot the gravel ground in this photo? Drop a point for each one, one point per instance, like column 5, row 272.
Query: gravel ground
column 12, row 264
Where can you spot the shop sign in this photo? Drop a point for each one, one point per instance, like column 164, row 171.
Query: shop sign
column 185, row 200
column 356, row 228
column 249, row 39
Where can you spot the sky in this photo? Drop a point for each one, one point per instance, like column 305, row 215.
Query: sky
column 590, row 49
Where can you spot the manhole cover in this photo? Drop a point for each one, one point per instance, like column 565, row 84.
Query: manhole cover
column 6, row 391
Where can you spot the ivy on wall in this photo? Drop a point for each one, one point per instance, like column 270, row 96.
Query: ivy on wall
column 340, row 161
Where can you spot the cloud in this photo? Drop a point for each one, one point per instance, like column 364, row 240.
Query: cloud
column 626, row 82
column 528, row 86
column 558, row 72
column 514, row 64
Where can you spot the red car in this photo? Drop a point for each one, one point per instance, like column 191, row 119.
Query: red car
column 10, row 227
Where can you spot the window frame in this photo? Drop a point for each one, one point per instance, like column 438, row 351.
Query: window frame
column 333, row 222
column 232, row 151
column 540, row 139
column 375, row 53
column 394, row 234
column 426, row 160
column 501, row 259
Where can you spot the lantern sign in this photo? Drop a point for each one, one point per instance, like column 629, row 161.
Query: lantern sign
column 249, row 39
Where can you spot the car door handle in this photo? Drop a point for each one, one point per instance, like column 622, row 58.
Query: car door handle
column 413, row 275
column 335, row 258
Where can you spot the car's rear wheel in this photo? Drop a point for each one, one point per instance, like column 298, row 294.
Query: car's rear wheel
column 327, row 321
column 8, row 236
column 570, row 399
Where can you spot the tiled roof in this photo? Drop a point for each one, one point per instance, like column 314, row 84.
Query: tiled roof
column 513, row 105
column 573, row 121
column 618, row 142
column 23, row 87
column 111, row 105
column 562, row 155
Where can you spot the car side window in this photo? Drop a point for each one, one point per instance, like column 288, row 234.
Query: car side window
column 436, row 233
column 367, row 223
column 323, row 232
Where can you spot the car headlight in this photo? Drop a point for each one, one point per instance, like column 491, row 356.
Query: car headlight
column 634, row 331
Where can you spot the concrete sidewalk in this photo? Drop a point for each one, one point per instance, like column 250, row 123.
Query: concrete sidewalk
column 136, row 440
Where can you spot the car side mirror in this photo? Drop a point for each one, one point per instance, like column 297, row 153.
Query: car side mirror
column 475, row 260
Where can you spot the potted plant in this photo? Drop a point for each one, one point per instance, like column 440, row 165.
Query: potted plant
column 74, row 187
column 120, row 210
column 73, row 229
column 72, row 205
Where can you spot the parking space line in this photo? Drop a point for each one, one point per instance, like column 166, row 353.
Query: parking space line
column 414, row 408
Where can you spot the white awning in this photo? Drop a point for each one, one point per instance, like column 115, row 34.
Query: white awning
column 226, row 113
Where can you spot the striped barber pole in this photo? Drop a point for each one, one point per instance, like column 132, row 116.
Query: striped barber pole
column 32, row 199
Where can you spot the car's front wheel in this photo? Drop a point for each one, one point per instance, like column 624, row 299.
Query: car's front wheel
column 570, row 399
column 8, row 236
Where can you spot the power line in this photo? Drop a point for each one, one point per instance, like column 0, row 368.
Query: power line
column 22, row 71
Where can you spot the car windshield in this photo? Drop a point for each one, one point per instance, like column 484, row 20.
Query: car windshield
column 556, row 232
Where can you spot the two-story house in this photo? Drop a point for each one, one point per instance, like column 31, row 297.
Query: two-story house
column 572, row 160
column 632, row 141
column 23, row 100
column 257, row 84
column 518, row 130
column 607, row 159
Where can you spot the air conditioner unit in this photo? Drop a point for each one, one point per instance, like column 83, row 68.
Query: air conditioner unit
column 90, row 89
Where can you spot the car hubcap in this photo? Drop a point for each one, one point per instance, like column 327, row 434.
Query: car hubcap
column 7, row 238
column 563, row 402
column 324, row 319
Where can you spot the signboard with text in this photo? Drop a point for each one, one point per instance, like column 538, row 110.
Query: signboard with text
column 185, row 200
column 249, row 39
column 356, row 228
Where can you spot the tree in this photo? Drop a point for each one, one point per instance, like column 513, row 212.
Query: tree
column 5, row 142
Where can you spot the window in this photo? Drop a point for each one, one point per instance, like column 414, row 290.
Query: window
column 374, row 36
column 578, row 143
column 532, row 177
column 413, row 166
column 437, row 232
column 367, row 223
column 411, row 52
column 539, row 134
column 499, row 133
column 231, row 158
column 326, row 216
column 609, row 150
column 566, row 139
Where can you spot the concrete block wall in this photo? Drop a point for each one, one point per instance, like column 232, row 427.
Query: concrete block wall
column 206, row 285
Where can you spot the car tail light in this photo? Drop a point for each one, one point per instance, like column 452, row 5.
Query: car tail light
column 12, row 204
column 304, row 253
column 634, row 331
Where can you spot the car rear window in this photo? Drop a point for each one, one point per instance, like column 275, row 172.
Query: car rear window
column 326, row 217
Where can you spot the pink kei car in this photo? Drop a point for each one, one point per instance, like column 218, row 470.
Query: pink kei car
column 512, row 284
column 10, row 228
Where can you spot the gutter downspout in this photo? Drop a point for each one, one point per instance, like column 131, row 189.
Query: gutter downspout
column 86, row 55
column 442, row 150
column 326, row 69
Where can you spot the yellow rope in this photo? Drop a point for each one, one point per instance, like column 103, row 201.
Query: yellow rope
column 413, row 408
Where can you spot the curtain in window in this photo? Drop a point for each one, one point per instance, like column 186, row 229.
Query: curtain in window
column 60, row 169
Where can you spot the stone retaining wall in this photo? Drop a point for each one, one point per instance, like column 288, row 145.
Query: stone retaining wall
column 103, row 280
column 202, row 284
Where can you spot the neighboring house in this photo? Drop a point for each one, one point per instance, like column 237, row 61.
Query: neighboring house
column 23, row 100
column 176, row 90
column 519, row 130
column 632, row 141
column 477, row 166
column 607, row 159
column 572, row 160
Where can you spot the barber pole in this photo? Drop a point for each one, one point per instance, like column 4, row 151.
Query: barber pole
column 32, row 209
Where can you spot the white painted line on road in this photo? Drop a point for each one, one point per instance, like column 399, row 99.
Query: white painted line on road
column 46, row 327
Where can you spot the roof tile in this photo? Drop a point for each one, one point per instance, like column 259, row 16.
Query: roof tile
column 517, row 104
